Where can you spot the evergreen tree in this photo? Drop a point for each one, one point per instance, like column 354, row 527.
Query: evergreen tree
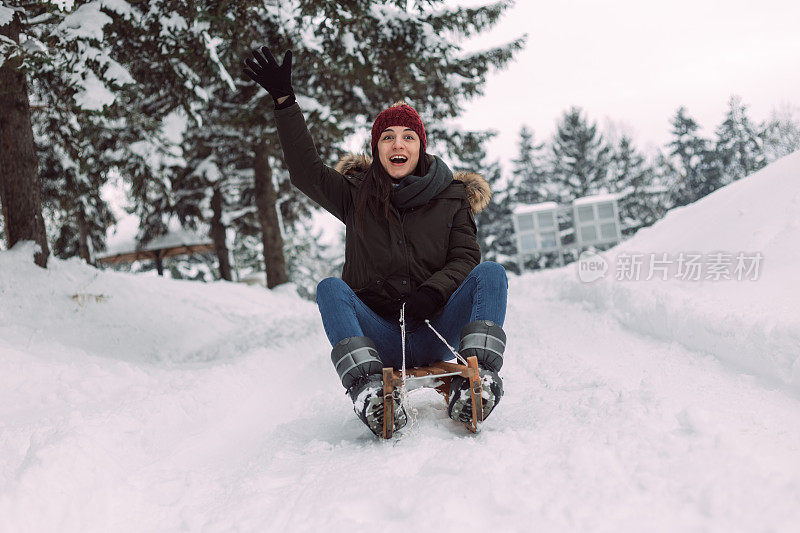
column 137, row 60
column 781, row 133
column 343, row 75
column 528, row 172
column 76, row 212
column 580, row 159
column 698, row 172
column 308, row 260
column 89, row 115
column 739, row 145
column 202, row 192
column 151, row 195
column 495, row 228
column 77, row 148
column 173, row 60
column 641, row 196
column 19, row 185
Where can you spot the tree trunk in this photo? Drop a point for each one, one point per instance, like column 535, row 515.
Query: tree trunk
column 218, row 236
column 274, row 260
column 20, row 191
column 83, row 236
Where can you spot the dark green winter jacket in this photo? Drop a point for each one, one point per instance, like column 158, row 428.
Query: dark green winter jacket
column 434, row 245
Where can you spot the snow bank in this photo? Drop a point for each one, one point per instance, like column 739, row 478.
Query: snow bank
column 72, row 306
column 109, row 381
column 137, row 403
column 751, row 320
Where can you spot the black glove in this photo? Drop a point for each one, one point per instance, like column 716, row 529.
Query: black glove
column 422, row 303
column 276, row 79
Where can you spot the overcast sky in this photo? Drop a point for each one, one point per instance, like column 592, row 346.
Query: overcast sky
column 635, row 62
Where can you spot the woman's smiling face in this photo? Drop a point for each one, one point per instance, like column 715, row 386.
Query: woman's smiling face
column 398, row 151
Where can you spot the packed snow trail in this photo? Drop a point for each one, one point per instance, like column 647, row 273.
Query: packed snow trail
column 600, row 429
column 630, row 406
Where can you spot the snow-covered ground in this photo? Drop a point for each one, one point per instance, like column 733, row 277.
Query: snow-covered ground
column 134, row 403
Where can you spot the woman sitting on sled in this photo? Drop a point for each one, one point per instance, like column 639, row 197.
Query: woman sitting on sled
column 410, row 239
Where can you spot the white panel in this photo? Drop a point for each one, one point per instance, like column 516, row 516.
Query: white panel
column 605, row 210
column 585, row 213
column 588, row 233
column 527, row 242
column 608, row 230
column 544, row 220
column 525, row 222
column 548, row 239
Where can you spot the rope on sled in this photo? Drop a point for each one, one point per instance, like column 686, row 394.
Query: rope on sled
column 458, row 355
column 411, row 412
column 403, row 343
column 404, row 378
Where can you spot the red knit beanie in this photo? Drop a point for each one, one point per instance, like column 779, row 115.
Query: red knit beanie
column 400, row 114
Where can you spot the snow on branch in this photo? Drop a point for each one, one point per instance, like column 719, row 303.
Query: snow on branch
column 6, row 15
column 86, row 22
column 211, row 46
column 120, row 7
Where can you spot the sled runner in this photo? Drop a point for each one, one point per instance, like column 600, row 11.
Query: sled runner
column 443, row 371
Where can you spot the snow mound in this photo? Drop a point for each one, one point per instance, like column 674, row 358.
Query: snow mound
column 748, row 317
column 138, row 403
column 72, row 306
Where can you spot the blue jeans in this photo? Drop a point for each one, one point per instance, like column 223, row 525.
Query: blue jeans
column 482, row 296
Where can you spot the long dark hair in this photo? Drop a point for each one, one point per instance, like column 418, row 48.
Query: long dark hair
column 375, row 190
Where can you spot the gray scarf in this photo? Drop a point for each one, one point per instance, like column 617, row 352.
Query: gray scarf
column 414, row 191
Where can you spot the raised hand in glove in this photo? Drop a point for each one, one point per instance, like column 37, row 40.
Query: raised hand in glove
column 276, row 79
column 422, row 303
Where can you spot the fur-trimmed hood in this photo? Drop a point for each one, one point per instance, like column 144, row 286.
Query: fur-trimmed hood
column 479, row 193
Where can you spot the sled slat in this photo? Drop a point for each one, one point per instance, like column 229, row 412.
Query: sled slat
column 451, row 367
column 388, row 403
column 475, row 394
column 393, row 378
column 439, row 367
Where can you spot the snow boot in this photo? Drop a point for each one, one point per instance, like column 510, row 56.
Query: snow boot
column 357, row 363
column 487, row 341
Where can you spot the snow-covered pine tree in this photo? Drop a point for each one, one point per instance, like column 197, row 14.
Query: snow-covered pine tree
column 782, row 133
column 642, row 197
column 495, row 229
column 579, row 159
column 229, row 131
column 149, row 158
column 698, row 171
column 308, row 260
column 345, row 71
column 77, row 147
column 19, row 182
column 169, row 48
column 528, row 172
column 79, row 55
column 202, row 185
column 73, row 206
column 739, row 143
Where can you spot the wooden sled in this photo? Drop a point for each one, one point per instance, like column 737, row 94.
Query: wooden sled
column 393, row 379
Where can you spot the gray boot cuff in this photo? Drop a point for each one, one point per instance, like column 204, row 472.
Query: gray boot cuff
column 485, row 340
column 354, row 358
